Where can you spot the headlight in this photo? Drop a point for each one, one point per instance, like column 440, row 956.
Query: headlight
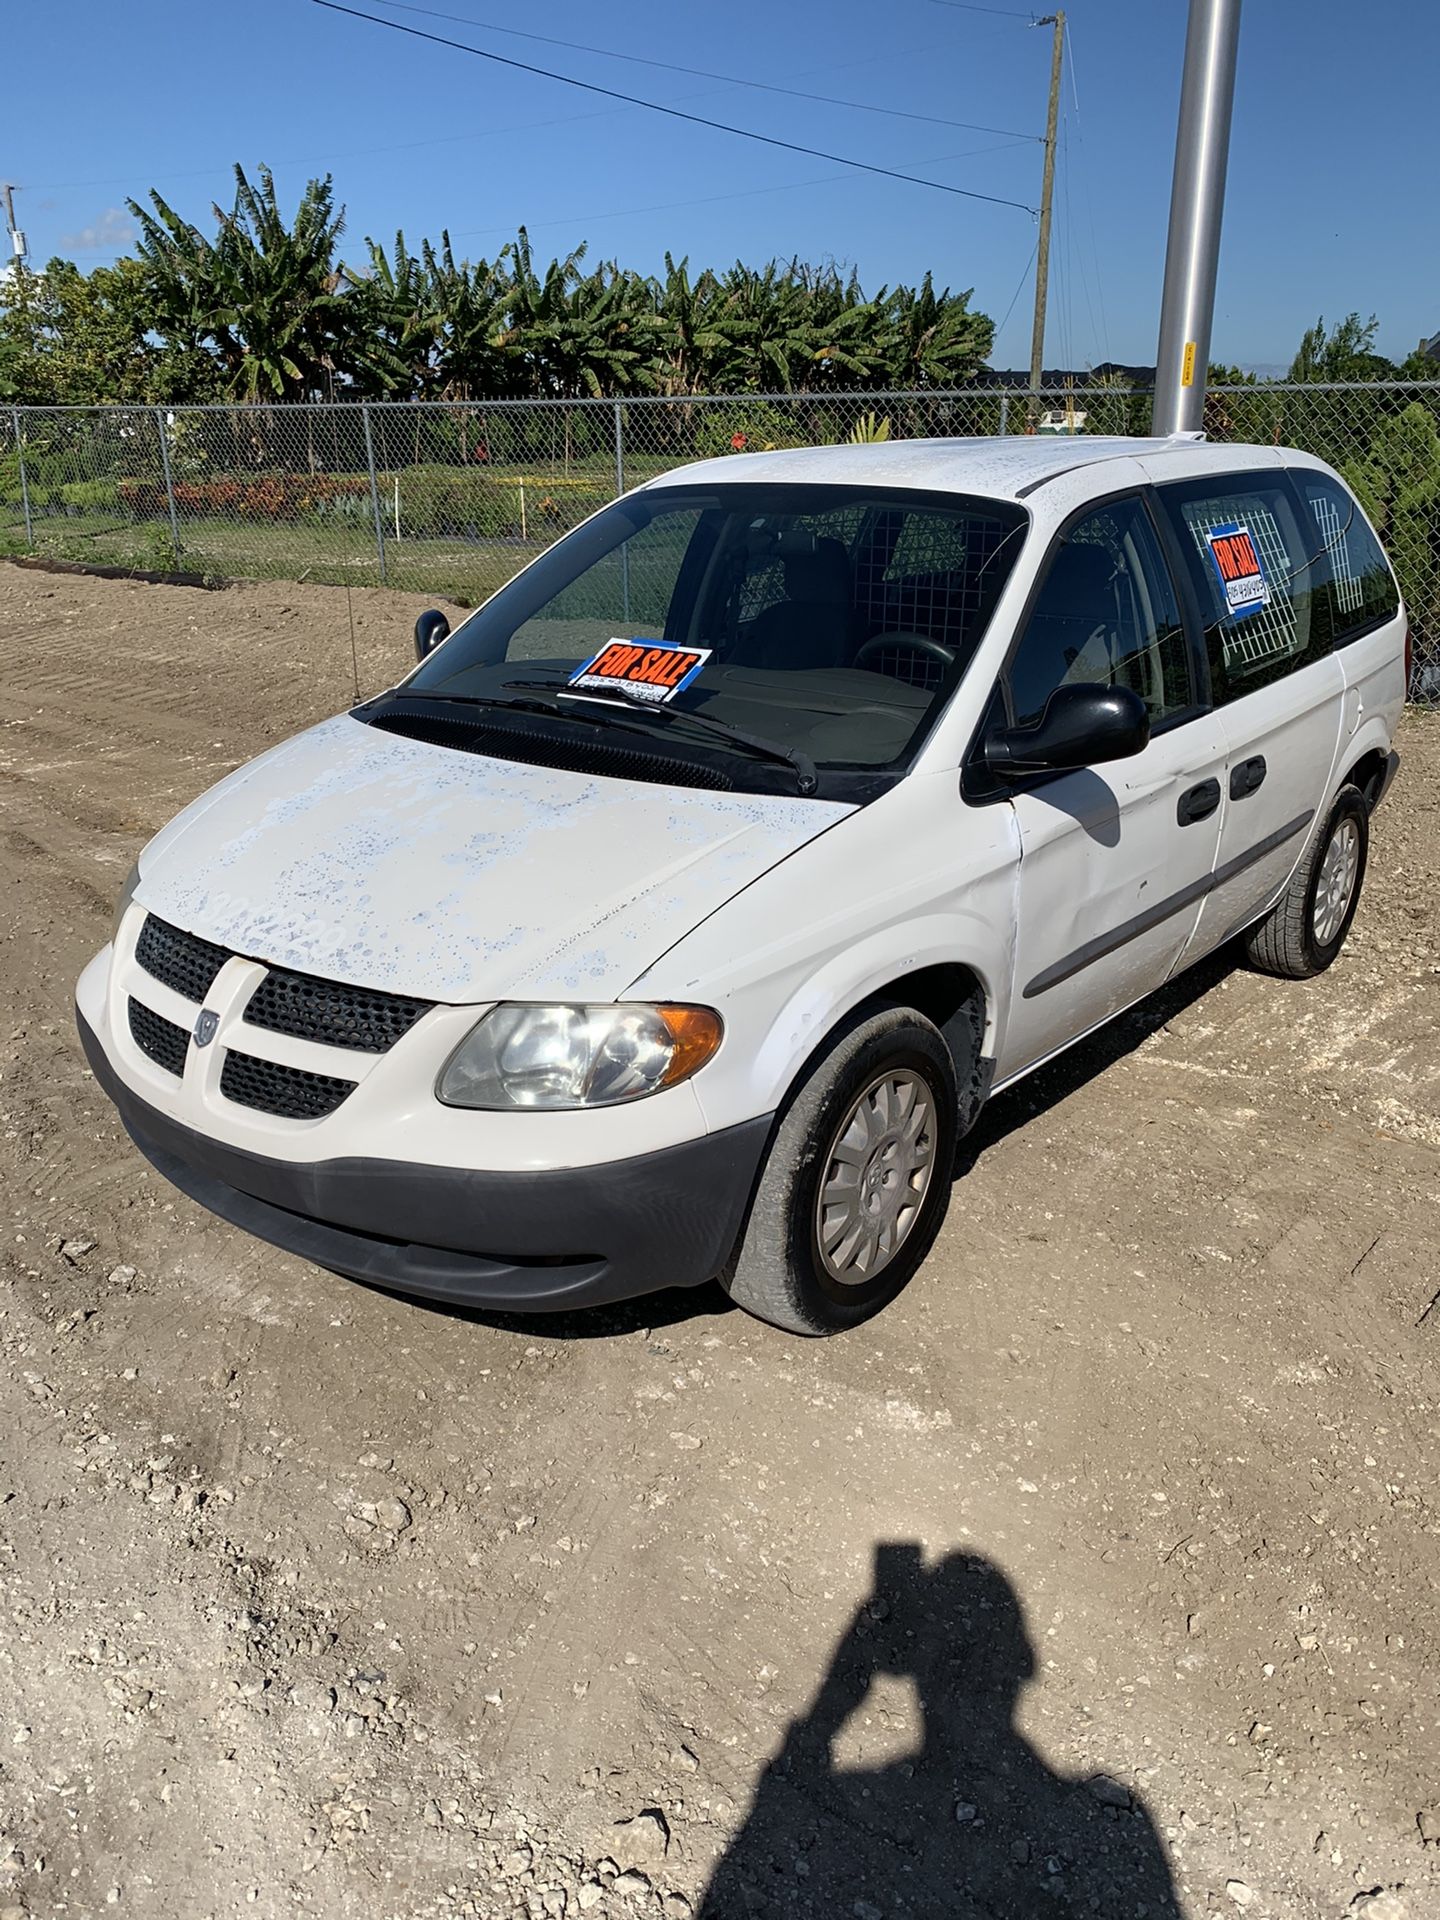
column 555, row 1057
column 127, row 894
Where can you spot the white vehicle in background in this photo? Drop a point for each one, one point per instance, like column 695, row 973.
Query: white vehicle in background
column 679, row 913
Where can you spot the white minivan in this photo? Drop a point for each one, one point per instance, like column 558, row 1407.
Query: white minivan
column 678, row 914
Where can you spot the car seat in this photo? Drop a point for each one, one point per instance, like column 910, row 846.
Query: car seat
column 814, row 625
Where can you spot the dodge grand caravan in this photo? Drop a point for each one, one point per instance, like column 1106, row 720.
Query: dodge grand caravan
column 679, row 912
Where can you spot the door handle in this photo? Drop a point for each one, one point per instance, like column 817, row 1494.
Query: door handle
column 1198, row 803
column 1247, row 776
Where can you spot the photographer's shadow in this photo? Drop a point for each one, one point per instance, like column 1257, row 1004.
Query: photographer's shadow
column 970, row 1823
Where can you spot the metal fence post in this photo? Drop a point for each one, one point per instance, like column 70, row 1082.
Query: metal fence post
column 169, row 484
column 374, row 495
column 619, row 489
column 1338, row 420
column 24, row 483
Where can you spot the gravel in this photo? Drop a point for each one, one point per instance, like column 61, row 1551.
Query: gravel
column 319, row 1602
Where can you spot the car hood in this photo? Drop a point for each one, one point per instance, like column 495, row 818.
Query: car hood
column 392, row 863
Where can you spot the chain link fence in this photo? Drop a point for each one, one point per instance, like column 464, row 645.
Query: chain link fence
column 453, row 498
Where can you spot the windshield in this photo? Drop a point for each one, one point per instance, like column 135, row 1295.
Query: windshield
column 827, row 625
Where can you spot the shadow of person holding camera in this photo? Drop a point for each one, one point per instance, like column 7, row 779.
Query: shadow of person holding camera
column 970, row 1824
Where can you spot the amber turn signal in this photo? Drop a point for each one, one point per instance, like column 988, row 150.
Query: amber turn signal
column 695, row 1034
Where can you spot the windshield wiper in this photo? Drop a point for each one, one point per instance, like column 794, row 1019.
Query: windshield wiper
column 545, row 707
column 549, row 710
column 807, row 780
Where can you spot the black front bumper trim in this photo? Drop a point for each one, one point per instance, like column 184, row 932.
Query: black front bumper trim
column 551, row 1240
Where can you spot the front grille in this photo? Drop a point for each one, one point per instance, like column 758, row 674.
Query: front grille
column 335, row 1015
column 182, row 961
column 290, row 1093
column 159, row 1040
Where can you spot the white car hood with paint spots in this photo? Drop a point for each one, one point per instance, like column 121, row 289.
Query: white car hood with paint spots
column 383, row 862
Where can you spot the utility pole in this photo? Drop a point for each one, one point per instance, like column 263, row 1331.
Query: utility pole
column 1197, row 201
column 1047, row 195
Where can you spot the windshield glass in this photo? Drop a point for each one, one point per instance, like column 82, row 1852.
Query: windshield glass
column 832, row 622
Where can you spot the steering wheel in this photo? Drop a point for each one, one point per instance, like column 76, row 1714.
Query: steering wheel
column 920, row 643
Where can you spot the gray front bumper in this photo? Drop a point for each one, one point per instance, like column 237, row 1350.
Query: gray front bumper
column 523, row 1242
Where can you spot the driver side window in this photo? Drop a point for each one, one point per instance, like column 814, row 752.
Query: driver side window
column 1106, row 615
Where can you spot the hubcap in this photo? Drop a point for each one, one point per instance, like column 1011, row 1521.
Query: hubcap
column 877, row 1173
column 1336, row 885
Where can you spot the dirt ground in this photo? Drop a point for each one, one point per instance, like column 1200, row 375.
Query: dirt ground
column 1100, row 1573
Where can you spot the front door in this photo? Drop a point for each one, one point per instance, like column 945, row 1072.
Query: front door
column 1115, row 859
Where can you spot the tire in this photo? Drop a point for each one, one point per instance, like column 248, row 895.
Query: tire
column 863, row 1095
column 1306, row 928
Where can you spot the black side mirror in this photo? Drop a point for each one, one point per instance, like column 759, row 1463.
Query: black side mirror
column 1080, row 727
column 430, row 629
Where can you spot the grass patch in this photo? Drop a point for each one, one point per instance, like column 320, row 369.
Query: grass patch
column 465, row 571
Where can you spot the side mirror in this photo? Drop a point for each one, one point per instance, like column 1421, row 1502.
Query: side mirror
column 1080, row 727
column 430, row 629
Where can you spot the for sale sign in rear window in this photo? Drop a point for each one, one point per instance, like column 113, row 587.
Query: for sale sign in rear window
column 1237, row 563
column 648, row 670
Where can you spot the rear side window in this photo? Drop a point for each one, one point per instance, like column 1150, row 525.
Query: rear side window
column 1354, row 589
column 1252, row 562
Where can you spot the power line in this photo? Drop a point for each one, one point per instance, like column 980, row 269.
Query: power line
column 412, row 146
column 673, row 113
column 967, row 6
column 703, row 73
column 711, row 199
column 1024, row 276
column 1104, row 333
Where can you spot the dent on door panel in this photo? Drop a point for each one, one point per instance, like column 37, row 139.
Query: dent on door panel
column 1110, row 881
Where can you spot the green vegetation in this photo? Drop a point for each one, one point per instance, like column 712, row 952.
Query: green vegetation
column 1398, row 484
column 1346, row 351
column 263, row 309
column 266, row 309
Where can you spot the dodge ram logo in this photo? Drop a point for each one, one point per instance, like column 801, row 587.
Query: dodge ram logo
column 205, row 1027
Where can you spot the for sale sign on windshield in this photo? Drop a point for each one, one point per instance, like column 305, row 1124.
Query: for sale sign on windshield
column 649, row 670
column 1237, row 562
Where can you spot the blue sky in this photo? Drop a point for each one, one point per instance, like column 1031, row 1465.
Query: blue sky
column 1331, row 201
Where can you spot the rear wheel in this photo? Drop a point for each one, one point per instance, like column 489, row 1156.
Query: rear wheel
column 1306, row 928
column 857, row 1180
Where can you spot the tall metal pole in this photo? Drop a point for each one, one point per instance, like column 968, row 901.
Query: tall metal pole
column 1047, row 195
column 18, row 248
column 1197, row 201
column 17, row 239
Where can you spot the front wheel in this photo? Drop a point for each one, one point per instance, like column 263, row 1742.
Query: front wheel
column 1306, row 928
column 857, row 1181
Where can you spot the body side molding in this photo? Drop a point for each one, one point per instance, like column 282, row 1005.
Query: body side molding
column 1106, row 943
